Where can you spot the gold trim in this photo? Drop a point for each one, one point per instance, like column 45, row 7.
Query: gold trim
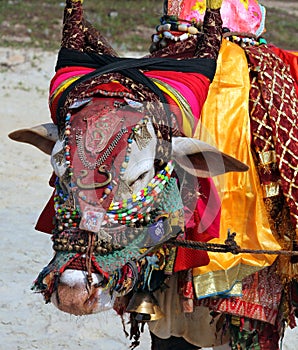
column 267, row 157
column 270, row 190
column 212, row 282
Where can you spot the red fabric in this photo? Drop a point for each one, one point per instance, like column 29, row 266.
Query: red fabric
column 187, row 258
column 290, row 59
column 66, row 70
column 197, row 83
column 112, row 87
column 269, row 338
column 260, row 300
column 202, row 225
column 45, row 221
column 100, row 109
column 274, row 120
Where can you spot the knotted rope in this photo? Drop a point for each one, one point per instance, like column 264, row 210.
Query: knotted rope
column 230, row 246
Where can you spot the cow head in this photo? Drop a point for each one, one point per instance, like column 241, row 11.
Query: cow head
column 116, row 204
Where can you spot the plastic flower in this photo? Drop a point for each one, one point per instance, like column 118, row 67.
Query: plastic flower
column 200, row 6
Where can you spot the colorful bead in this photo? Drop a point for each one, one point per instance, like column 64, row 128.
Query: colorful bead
column 262, row 41
column 245, row 41
column 137, row 207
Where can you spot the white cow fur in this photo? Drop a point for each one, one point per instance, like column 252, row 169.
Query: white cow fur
column 140, row 169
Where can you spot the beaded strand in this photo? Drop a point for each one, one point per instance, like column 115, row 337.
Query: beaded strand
column 246, row 41
column 170, row 25
column 137, row 207
column 66, row 145
column 66, row 217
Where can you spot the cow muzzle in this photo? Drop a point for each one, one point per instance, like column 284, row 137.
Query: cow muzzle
column 74, row 296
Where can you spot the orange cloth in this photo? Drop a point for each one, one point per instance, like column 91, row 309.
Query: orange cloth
column 225, row 123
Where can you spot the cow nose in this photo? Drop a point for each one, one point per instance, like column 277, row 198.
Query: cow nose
column 74, row 297
column 76, row 300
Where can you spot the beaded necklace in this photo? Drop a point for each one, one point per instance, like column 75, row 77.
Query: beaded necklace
column 169, row 30
column 121, row 241
column 137, row 208
column 244, row 39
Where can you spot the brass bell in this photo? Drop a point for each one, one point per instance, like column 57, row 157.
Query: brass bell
column 158, row 314
column 142, row 303
column 146, row 307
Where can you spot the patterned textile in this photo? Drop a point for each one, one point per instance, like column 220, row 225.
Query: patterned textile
column 260, row 300
column 81, row 36
column 189, row 99
column 204, row 45
column 273, row 106
column 78, row 34
column 273, row 112
column 289, row 58
column 252, row 335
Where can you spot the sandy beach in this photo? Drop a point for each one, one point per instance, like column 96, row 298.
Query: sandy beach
column 25, row 321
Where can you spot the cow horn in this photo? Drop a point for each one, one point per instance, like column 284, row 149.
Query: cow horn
column 42, row 136
column 203, row 160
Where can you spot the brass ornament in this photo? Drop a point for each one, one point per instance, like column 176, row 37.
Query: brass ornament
column 95, row 185
column 141, row 134
column 146, row 306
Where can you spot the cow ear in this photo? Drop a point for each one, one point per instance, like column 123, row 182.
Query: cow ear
column 203, row 160
column 42, row 136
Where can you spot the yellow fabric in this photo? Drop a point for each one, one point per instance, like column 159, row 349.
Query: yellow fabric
column 225, row 124
column 64, row 86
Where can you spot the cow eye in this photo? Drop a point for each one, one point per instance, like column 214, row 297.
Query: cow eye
column 141, row 177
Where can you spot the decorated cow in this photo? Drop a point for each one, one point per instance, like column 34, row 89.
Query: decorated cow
column 134, row 144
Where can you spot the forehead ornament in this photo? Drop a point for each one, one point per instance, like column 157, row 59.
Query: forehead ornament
column 141, row 134
column 102, row 170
